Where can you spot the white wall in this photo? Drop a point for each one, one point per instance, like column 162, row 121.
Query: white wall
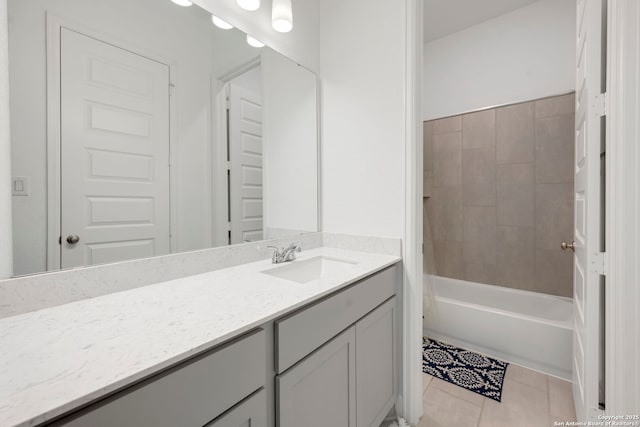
column 369, row 61
column 525, row 54
column 289, row 135
column 362, row 66
column 6, row 247
column 184, row 36
column 301, row 44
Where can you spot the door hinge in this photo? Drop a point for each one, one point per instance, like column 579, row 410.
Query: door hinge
column 171, row 88
column 601, row 104
column 228, row 103
column 228, row 166
column 600, row 263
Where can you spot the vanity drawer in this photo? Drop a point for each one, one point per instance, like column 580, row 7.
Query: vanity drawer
column 252, row 412
column 302, row 332
column 188, row 395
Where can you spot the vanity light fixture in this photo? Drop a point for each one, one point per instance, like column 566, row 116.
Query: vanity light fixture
column 250, row 5
column 184, row 3
column 254, row 42
column 282, row 16
column 220, row 23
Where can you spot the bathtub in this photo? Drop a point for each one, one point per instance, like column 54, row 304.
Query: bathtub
column 526, row 328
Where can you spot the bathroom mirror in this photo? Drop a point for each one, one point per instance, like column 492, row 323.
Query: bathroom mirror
column 139, row 129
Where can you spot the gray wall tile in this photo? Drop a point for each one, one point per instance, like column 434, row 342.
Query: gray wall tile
column 556, row 105
column 515, row 133
column 479, row 177
column 554, row 215
column 447, row 125
column 554, row 272
column 449, row 259
column 480, row 273
column 515, row 192
column 427, row 138
column 447, row 158
column 479, row 129
column 427, row 184
column 429, row 260
column 447, row 213
column 502, row 196
column 555, row 149
column 479, row 234
column 515, row 257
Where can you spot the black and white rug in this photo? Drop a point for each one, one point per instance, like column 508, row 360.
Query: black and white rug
column 467, row 369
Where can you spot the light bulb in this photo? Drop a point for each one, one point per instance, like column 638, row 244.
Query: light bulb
column 249, row 4
column 282, row 16
column 220, row 23
column 184, row 3
column 254, row 42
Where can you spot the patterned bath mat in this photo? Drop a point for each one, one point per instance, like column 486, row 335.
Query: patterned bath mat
column 475, row 372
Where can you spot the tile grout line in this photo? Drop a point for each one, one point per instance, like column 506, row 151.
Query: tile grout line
column 548, row 401
column 481, row 412
column 457, row 397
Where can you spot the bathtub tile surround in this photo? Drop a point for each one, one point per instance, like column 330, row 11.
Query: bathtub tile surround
column 515, row 135
column 30, row 293
column 515, row 191
column 447, row 165
column 524, row 393
column 502, row 191
column 479, row 130
column 516, row 247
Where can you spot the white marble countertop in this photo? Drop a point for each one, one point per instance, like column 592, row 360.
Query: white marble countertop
column 57, row 359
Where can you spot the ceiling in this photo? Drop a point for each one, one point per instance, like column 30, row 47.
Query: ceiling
column 444, row 17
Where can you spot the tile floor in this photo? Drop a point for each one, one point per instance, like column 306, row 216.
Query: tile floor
column 529, row 399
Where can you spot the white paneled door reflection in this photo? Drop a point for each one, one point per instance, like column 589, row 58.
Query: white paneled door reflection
column 245, row 157
column 114, row 153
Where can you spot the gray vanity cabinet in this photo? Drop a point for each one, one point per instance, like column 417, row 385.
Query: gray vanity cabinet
column 376, row 364
column 191, row 394
column 320, row 391
column 348, row 379
column 332, row 363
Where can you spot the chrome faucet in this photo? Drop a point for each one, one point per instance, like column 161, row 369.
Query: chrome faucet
column 285, row 255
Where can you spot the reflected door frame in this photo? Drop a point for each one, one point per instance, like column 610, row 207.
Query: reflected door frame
column 54, row 24
column 220, row 160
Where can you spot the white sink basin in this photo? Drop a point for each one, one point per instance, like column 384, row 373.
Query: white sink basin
column 303, row 271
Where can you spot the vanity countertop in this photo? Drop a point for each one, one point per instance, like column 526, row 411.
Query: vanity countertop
column 57, row 359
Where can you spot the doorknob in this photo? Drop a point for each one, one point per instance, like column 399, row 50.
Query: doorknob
column 72, row 239
column 565, row 246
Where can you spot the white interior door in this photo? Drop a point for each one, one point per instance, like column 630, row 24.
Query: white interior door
column 114, row 153
column 588, row 259
column 245, row 158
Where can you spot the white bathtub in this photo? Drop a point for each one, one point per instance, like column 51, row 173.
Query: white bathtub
column 527, row 328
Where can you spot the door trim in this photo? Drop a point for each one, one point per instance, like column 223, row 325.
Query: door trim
column 622, row 209
column 54, row 24
column 220, row 195
column 410, row 397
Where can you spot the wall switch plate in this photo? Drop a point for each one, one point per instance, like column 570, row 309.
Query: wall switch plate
column 20, row 186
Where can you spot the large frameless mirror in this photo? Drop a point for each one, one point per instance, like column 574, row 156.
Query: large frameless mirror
column 139, row 128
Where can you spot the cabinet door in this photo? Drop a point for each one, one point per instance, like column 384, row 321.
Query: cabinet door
column 250, row 413
column 376, row 364
column 320, row 390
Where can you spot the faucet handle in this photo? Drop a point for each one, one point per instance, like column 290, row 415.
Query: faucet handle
column 276, row 254
column 295, row 246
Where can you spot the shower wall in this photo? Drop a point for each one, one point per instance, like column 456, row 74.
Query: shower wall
column 499, row 195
